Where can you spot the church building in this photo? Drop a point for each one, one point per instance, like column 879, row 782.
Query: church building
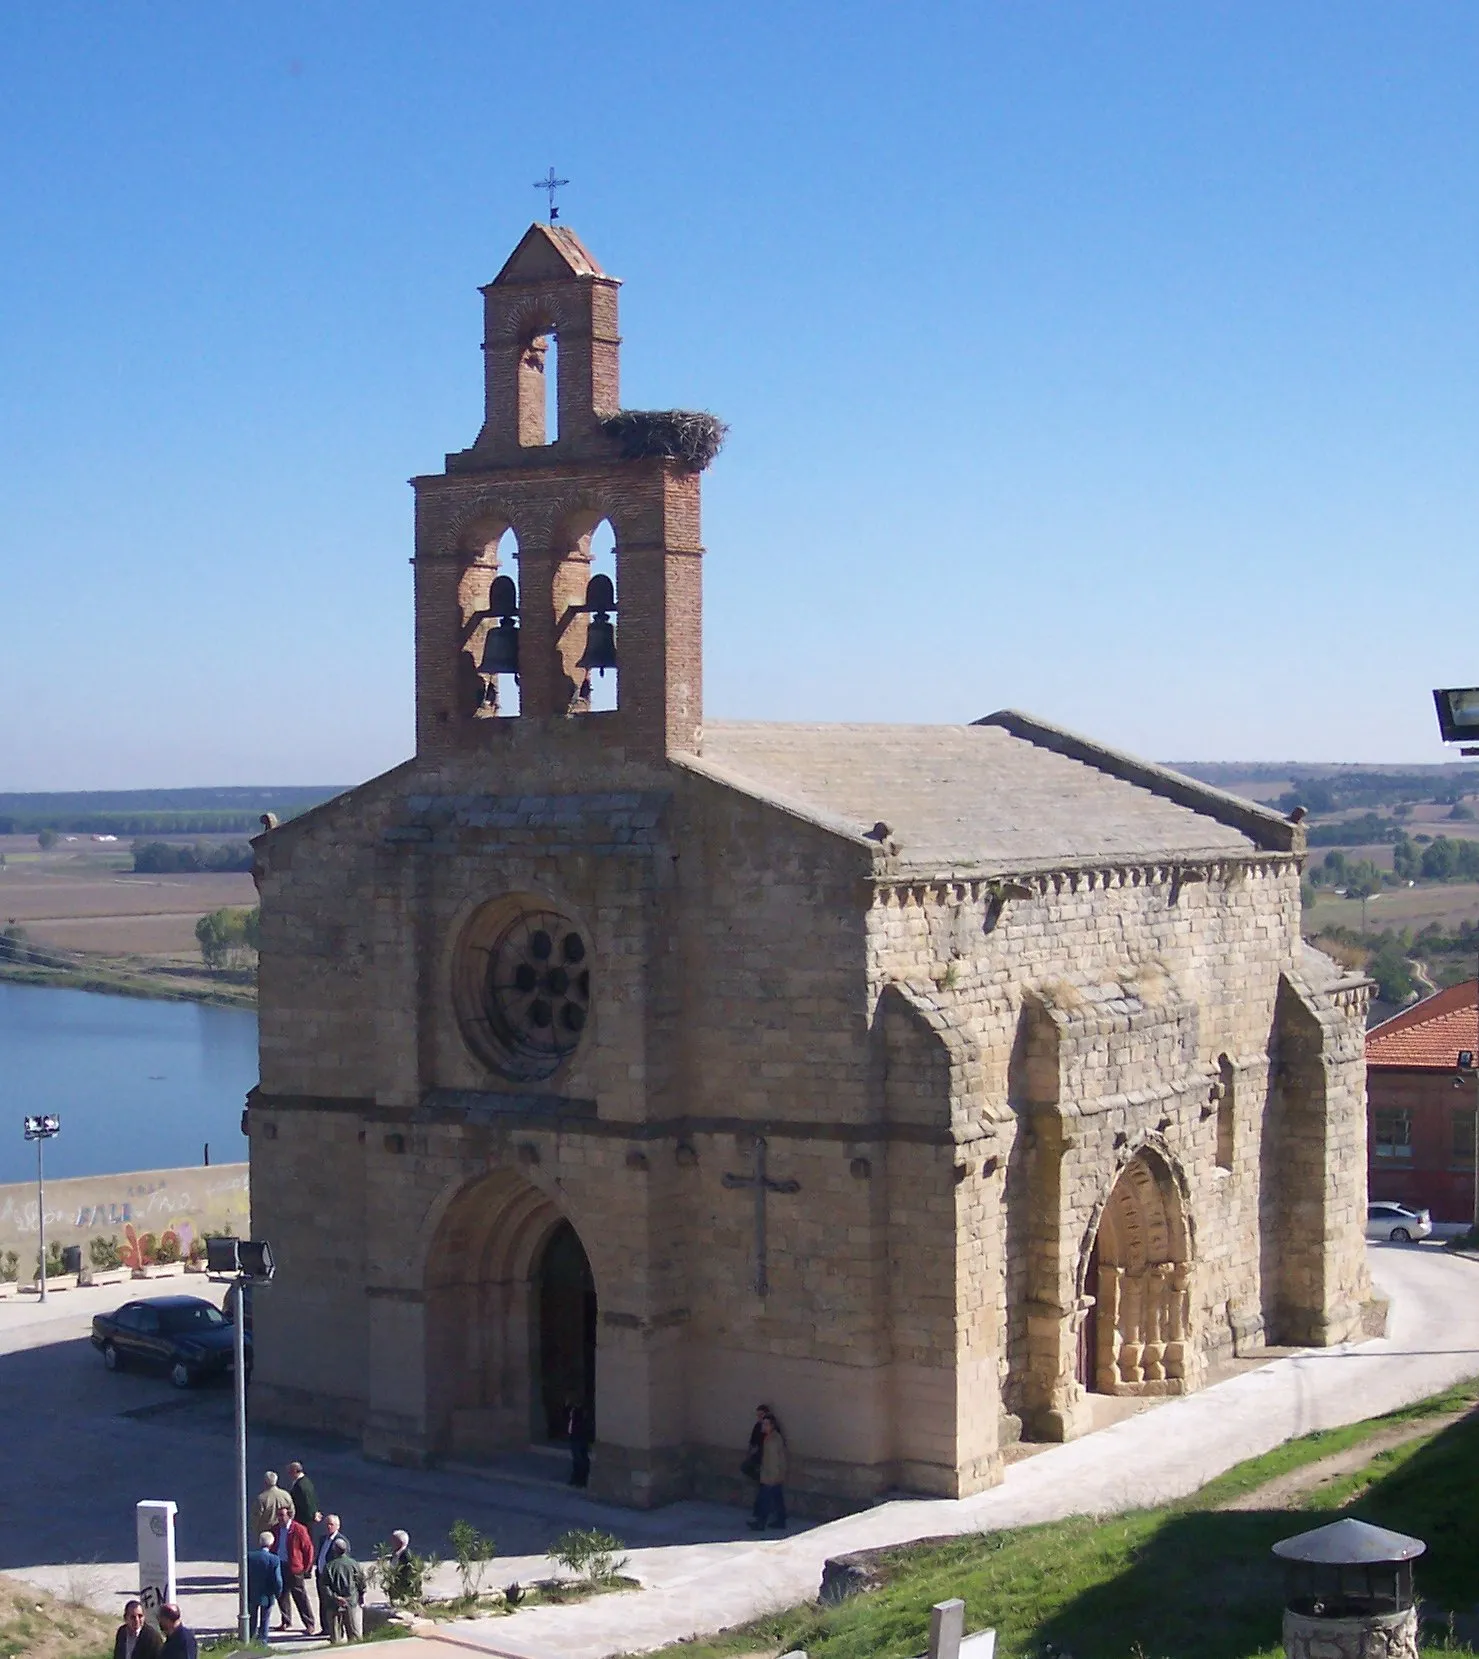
column 916, row 1080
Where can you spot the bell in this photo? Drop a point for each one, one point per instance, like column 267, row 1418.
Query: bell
column 501, row 649
column 600, row 643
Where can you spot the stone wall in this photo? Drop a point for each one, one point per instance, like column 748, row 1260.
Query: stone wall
column 188, row 1202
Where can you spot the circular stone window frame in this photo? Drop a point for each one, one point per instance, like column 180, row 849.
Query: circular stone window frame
column 488, row 1034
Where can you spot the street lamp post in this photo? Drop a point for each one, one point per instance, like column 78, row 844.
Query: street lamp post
column 1458, row 721
column 241, row 1263
column 40, row 1129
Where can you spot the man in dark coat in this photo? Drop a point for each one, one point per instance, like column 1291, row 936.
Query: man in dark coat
column 179, row 1639
column 136, row 1638
column 305, row 1498
column 345, row 1582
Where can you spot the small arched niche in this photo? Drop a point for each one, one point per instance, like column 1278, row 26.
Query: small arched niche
column 538, row 387
column 487, row 597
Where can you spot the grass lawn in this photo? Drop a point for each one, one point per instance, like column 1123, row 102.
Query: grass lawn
column 1157, row 1584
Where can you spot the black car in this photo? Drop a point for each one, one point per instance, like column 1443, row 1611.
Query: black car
column 186, row 1336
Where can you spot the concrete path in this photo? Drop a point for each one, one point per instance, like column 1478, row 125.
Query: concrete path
column 97, row 1442
column 1145, row 1460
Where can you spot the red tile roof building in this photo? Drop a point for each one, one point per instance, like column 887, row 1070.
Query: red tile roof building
column 1420, row 1120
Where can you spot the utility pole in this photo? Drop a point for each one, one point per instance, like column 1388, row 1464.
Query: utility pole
column 41, row 1129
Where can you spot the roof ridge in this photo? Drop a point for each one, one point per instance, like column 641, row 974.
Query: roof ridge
column 1267, row 828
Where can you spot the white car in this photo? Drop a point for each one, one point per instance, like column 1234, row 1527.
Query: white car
column 1397, row 1223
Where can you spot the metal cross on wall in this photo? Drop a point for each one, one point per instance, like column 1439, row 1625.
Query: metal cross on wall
column 762, row 1184
column 550, row 183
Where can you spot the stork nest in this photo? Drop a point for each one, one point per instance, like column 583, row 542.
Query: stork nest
column 692, row 437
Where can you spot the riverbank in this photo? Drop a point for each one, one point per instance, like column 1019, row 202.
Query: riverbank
column 158, row 983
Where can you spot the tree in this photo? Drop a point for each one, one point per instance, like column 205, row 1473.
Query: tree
column 1393, row 973
column 46, row 839
column 227, row 939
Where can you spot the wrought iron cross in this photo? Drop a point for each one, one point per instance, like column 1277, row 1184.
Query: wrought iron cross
column 550, row 183
column 762, row 1184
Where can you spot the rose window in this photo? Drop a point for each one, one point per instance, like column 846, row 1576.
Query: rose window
column 537, row 994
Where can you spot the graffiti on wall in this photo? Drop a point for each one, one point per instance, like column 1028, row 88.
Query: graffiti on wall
column 139, row 1209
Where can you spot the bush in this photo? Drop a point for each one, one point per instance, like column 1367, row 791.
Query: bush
column 54, row 1267
column 104, row 1253
column 473, row 1552
column 589, row 1553
column 404, row 1582
column 196, row 1254
column 10, row 1268
column 168, row 1249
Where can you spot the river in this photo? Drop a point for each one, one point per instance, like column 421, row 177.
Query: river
column 137, row 1084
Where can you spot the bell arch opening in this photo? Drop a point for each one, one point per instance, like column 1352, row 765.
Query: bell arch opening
column 1136, row 1337
column 510, row 1321
column 585, row 596
column 488, row 600
column 538, row 388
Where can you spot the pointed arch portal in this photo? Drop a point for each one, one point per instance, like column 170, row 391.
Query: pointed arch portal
column 511, row 1320
column 1136, row 1338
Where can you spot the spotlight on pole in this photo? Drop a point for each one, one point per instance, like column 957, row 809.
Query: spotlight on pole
column 40, row 1129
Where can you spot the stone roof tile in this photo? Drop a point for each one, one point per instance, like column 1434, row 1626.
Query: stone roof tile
column 985, row 797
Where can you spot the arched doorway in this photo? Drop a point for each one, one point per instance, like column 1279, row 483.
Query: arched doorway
column 566, row 1345
column 1137, row 1337
column 510, row 1320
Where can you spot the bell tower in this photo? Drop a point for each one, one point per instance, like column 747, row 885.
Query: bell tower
column 507, row 605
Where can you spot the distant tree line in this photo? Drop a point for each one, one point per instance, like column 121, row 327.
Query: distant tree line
column 173, row 857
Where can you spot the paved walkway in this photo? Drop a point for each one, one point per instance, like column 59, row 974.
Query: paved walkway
column 701, row 1569
column 1147, row 1459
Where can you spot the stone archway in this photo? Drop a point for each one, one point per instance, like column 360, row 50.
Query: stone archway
column 1138, row 1270
column 501, row 1320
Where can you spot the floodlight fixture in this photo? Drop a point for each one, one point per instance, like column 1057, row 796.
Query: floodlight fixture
column 1458, row 714
column 239, row 1258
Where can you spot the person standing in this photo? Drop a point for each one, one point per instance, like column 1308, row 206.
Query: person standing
column 272, row 1503
column 264, row 1585
column 320, row 1561
column 304, row 1496
column 770, row 1495
column 179, row 1639
column 578, row 1433
column 136, row 1637
column 293, row 1547
column 346, row 1583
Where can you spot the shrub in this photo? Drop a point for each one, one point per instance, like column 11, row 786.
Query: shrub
column 54, row 1266
column 404, row 1582
column 473, row 1552
column 168, row 1249
column 589, row 1553
column 104, row 1253
column 196, row 1253
column 10, row 1268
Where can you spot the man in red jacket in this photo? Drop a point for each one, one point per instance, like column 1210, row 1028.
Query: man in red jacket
column 294, row 1548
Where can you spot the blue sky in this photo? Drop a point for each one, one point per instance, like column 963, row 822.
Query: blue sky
column 1116, row 362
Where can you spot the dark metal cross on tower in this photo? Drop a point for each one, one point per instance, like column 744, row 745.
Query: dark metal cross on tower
column 762, row 1184
column 550, row 183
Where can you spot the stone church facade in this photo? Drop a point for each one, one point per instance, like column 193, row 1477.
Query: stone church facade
column 917, row 1080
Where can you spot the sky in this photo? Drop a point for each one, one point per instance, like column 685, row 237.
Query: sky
column 1116, row 362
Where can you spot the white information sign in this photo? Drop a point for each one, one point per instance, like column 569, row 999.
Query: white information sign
column 156, row 1532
